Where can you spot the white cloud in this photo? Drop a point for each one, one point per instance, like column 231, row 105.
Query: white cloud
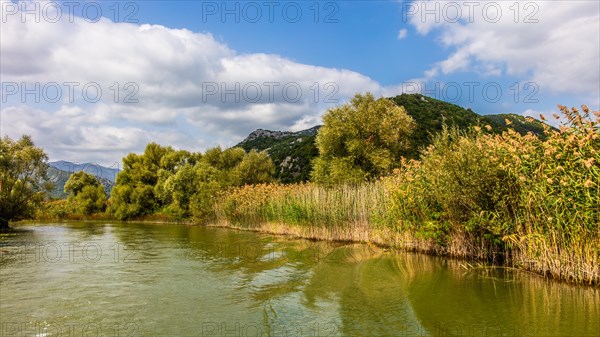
column 170, row 72
column 553, row 43
column 402, row 33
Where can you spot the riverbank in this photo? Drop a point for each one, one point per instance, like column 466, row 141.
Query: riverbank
column 404, row 241
column 524, row 201
column 506, row 199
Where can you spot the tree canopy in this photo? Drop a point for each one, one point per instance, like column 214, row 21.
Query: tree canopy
column 181, row 183
column 23, row 178
column 86, row 193
column 361, row 140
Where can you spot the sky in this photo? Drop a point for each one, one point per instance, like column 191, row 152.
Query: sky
column 91, row 81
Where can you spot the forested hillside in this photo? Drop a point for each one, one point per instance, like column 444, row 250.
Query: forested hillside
column 293, row 152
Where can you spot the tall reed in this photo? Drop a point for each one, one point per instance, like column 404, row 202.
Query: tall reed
column 513, row 199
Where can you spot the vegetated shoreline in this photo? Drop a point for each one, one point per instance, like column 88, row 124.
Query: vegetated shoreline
column 511, row 199
column 402, row 241
column 365, row 234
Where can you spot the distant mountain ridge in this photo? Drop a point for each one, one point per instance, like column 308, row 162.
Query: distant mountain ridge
column 292, row 152
column 60, row 171
column 99, row 171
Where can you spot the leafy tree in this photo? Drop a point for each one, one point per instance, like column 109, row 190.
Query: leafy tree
column 361, row 140
column 181, row 183
column 179, row 188
column 227, row 163
column 207, row 189
column 86, row 193
column 193, row 189
column 134, row 193
column 23, row 178
column 255, row 168
column 212, row 156
column 78, row 180
column 230, row 158
column 170, row 163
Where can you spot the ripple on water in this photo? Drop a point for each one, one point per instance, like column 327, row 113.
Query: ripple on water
column 184, row 279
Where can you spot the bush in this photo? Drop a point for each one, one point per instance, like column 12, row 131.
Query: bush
column 468, row 185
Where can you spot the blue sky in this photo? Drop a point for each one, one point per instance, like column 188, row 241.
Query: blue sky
column 356, row 35
column 177, row 59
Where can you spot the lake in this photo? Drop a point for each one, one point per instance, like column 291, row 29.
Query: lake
column 112, row 279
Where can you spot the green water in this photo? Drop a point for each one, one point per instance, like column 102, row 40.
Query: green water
column 91, row 279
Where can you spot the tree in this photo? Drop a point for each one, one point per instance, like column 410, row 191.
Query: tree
column 134, row 193
column 206, row 189
column 180, row 187
column 86, row 193
column 255, row 168
column 361, row 140
column 23, row 178
column 183, row 184
column 193, row 189
column 170, row 163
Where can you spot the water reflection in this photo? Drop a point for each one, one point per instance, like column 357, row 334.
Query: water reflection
column 151, row 280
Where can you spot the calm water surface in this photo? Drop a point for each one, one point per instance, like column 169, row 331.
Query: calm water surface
column 93, row 279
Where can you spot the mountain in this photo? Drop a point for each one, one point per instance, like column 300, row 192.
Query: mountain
column 431, row 114
column 60, row 176
column 99, row 171
column 292, row 152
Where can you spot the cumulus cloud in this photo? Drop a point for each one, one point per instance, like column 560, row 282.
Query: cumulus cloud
column 552, row 43
column 152, row 83
column 188, row 89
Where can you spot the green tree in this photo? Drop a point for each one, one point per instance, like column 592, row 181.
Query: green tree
column 23, row 178
column 206, row 190
column 179, row 188
column 183, row 184
column 361, row 140
column 227, row 163
column 78, row 180
column 86, row 193
column 255, row 168
column 170, row 163
column 134, row 193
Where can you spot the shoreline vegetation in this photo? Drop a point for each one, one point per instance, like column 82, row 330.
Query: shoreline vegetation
column 526, row 201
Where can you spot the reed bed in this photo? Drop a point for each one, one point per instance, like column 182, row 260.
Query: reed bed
column 511, row 199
